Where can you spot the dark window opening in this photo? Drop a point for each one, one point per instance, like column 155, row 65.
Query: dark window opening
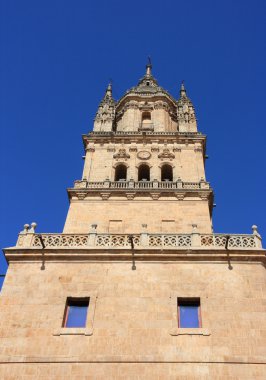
column 121, row 173
column 144, row 173
column 146, row 117
column 189, row 313
column 76, row 312
column 167, row 173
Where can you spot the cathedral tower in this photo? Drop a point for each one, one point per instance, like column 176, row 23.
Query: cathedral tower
column 144, row 166
column 138, row 286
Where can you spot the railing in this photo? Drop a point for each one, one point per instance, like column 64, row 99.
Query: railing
column 28, row 238
column 141, row 185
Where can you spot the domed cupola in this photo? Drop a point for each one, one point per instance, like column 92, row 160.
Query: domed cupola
column 146, row 107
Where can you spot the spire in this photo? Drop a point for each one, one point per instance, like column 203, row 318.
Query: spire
column 104, row 120
column 148, row 67
column 185, row 112
column 183, row 90
column 108, row 93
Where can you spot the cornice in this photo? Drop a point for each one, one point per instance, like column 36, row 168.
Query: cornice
column 139, row 137
column 152, row 254
column 131, row 194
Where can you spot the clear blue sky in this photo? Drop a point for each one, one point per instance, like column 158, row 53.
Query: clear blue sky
column 57, row 57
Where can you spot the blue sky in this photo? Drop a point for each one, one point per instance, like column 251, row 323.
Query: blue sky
column 56, row 60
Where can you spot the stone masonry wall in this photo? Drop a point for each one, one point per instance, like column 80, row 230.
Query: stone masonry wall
column 134, row 213
column 187, row 163
column 134, row 319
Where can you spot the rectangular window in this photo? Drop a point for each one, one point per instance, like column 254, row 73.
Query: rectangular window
column 189, row 313
column 76, row 312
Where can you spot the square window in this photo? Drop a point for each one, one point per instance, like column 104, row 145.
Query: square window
column 189, row 313
column 76, row 312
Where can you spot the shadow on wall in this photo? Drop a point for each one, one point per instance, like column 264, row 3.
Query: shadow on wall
column 2, row 278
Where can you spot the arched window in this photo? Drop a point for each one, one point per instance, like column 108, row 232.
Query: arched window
column 120, row 173
column 144, row 173
column 167, row 173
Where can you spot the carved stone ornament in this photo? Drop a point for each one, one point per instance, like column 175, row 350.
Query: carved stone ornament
column 121, row 154
column 166, row 154
column 144, row 155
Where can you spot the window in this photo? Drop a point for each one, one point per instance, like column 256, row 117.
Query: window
column 167, row 173
column 146, row 117
column 121, row 173
column 189, row 313
column 76, row 312
column 144, row 173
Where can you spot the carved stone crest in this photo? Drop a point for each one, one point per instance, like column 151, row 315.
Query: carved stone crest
column 144, row 155
column 121, row 154
column 166, row 154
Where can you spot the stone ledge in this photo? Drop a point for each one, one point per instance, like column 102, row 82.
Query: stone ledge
column 190, row 331
column 73, row 331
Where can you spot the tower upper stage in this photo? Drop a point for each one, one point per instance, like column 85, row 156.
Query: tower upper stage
column 146, row 107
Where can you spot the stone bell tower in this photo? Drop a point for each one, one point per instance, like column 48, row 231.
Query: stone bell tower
column 144, row 166
column 138, row 286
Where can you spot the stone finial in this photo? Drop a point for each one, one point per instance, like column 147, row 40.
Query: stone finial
column 194, row 228
column 33, row 227
column 148, row 67
column 26, row 228
column 109, row 90
column 257, row 237
column 182, row 89
column 255, row 230
column 93, row 227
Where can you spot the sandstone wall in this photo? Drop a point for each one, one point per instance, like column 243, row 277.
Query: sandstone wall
column 134, row 213
column 134, row 321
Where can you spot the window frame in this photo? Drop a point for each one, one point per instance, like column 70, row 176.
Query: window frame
column 88, row 329
column 175, row 330
column 67, row 306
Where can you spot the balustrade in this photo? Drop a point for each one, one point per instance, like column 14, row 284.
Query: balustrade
column 169, row 241
column 142, row 185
